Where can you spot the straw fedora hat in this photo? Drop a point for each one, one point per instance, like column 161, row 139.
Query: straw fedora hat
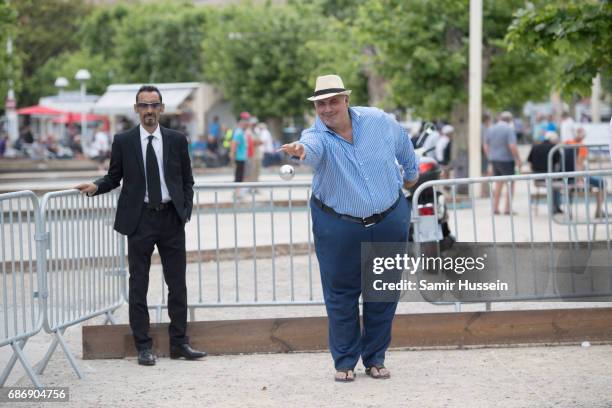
column 328, row 86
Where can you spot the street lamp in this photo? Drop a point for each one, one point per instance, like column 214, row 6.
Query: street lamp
column 60, row 84
column 83, row 76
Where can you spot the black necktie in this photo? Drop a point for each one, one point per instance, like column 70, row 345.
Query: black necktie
column 153, row 183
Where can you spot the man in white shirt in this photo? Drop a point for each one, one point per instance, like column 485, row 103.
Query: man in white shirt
column 567, row 128
column 443, row 145
column 152, row 165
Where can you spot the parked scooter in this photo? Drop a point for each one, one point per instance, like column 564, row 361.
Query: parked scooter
column 429, row 169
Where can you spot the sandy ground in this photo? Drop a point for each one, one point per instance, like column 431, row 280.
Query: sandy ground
column 561, row 376
column 564, row 376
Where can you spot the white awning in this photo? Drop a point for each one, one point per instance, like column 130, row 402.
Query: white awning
column 120, row 99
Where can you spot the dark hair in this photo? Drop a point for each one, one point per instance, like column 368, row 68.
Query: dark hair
column 148, row 88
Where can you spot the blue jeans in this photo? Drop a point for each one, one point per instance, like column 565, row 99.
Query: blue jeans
column 338, row 248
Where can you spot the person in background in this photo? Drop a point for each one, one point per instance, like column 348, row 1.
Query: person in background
column 502, row 152
column 567, row 130
column 255, row 155
column 539, row 129
column 485, row 167
column 3, row 143
column 238, row 152
column 577, row 161
column 443, row 149
column 270, row 156
column 214, row 135
column 551, row 126
column 100, row 147
column 538, row 159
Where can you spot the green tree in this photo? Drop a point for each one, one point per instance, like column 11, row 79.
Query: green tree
column 67, row 64
column 265, row 58
column 98, row 32
column 421, row 48
column 45, row 29
column 9, row 69
column 576, row 33
column 161, row 42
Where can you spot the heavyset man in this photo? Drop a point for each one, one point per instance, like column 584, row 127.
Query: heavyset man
column 356, row 198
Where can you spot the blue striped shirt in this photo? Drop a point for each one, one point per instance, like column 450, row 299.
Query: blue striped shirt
column 360, row 178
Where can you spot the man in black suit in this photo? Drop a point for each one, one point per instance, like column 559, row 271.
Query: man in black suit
column 155, row 203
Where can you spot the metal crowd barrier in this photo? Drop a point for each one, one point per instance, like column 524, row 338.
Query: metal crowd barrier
column 23, row 286
column 472, row 219
column 248, row 244
column 62, row 264
column 84, row 267
column 577, row 191
column 243, row 243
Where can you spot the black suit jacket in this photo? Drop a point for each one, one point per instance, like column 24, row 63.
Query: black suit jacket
column 127, row 163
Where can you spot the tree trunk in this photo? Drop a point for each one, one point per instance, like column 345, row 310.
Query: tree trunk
column 275, row 126
column 459, row 148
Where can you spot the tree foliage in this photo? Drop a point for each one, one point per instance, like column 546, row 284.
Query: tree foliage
column 265, row 58
column 577, row 33
column 67, row 64
column 44, row 30
column 161, row 42
column 9, row 70
column 422, row 49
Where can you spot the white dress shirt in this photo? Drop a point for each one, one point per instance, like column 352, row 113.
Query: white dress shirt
column 159, row 152
column 567, row 130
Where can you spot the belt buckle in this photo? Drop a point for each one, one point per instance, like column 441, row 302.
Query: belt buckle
column 366, row 223
column 374, row 219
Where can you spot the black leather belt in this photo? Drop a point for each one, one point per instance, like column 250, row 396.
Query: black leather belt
column 159, row 207
column 366, row 222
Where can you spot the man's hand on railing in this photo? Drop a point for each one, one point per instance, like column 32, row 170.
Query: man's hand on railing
column 87, row 188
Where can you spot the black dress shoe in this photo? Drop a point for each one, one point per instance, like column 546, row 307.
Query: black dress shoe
column 146, row 357
column 185, row 350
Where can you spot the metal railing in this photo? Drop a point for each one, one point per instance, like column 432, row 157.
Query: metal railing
column 245, row 240
column 248, row 244
column 474, row 220
column 84, row 264
column 23, row 284
column 62, row 264
column 570, row 189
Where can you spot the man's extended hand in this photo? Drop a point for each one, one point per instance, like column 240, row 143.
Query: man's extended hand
column 87, row 188
column 294, row 149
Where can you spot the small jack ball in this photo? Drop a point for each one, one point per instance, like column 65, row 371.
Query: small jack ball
column 286, row 172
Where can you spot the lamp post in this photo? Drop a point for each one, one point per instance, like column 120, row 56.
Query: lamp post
column 83, row 76
column 10, row 104
column 60, row 84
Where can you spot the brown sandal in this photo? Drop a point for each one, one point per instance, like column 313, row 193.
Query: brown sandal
column 378, row 375
column 349, row 375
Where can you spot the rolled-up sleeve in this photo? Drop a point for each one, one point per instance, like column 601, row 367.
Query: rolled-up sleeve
column 313, row 145
column 404, row 153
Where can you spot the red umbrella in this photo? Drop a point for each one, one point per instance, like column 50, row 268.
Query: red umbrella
column 39, row 110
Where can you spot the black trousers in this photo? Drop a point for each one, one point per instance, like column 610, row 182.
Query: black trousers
column 166, row 230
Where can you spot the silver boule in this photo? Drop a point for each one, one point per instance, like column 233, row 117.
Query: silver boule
column 286, row 172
